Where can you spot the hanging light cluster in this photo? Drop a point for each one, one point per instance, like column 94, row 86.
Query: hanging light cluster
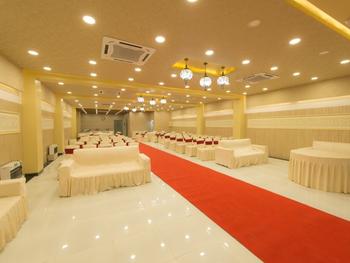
column 205, row 82
column 186, row 74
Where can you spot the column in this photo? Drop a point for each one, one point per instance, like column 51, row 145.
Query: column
column 74, row 123
column 200, row 119
column 239, row 120
column 32, row 126
column 59, row 125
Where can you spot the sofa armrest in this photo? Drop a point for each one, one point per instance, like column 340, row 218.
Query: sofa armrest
column 264, row 148
column 65, row 169
column 224, row 155
column 145, row 161
column 13, row 187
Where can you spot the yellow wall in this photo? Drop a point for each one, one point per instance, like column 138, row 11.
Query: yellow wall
column 292, row 118
column 11, row 86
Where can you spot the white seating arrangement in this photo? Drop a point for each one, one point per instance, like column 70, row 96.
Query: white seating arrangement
column 324, row 166
column 13, row 208
column 94, row 170
column 207, row 153
column 238, row 153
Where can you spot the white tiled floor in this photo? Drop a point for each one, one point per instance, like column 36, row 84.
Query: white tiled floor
column 150, row 223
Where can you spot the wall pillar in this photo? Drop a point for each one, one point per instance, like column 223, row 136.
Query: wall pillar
column 200, row 119
column 32, row 125
column 59, row 125
column 239, row 119
column 74, row 123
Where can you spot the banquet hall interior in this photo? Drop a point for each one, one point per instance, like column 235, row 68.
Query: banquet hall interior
column 174, row 131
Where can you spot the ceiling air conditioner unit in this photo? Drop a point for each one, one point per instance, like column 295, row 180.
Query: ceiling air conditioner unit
column 257, row 78
column 119, row 50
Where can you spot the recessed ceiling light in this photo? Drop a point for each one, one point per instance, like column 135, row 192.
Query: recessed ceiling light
column 118, row 96
column 209, row 52
column 160, row 39
column 89, row 20
column 247, row 86
column 33, row 52
column 208, row 89
column 254, row 23
column 192, row 1
column 188, row 95
column 138, row 69
column 147, row 91
column 161, row 83
column 69, row 92
column 94, row 87
column 47, row 68
column 295, row 74
column 314, row 78
column 244, row 93
column 93, row 74
column 123, row 89
column 172, row 100
column 265, row 89
column 219, row 98
column 204, row 97
column 130, row 79
column 325, row 52
column 187, row 101
column 96, row 101
column 345, row 61
column 60, row 83
column 294, row 41
column 228, row 91
column 274, row 68
column 76, row 100
column 246, row 62
column 92, row 62
column 169, row 94
column 173, row 75
column 96, row 95
column 187, row 86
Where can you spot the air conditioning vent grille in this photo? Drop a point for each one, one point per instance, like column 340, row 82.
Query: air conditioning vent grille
column 258, row 78
column 118, row 50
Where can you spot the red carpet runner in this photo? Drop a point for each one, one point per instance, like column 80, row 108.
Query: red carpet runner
column 274, row 228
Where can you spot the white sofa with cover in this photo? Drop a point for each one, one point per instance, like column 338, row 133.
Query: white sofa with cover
column 239, row 153
column 95, row 170
column 13, row 208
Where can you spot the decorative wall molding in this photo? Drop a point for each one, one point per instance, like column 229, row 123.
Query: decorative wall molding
column 219, row 123
column 67, row 123
column 219, row 113
column 299, row 105
column 185, row 116
column 10, row 96
column 10, row 123
column 181, row 123
column 67, row 114
column 47, row 107
column 337, row 122
column 47, row 124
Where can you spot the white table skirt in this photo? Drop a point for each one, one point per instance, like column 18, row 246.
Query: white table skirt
column 326, row 173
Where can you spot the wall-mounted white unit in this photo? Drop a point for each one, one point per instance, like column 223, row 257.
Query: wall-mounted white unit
column 53, row 152
column 11, row 170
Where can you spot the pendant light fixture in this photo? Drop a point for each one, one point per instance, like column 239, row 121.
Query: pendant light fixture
column 152, row 102
column 163, row 101
column 223, row 80
column 126, row 108
column 205, row 81
column 140, row 99
column 186, row 74
column 134, row 109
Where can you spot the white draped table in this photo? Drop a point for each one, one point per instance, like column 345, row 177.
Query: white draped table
column 323, row 170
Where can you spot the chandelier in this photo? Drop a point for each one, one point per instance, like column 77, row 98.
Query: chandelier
column 205, row 81
column 126, row 108
column 223, row 80
column 163, row 101
column 152, row 102
column 186, row 74
column 142, row 109
column 134, row 109
column 140, row 99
